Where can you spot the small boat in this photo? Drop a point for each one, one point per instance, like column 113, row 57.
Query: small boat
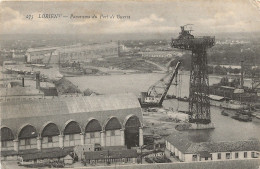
column 242, row 117
column 224, row 113
column 245, row 112
column 184, row 99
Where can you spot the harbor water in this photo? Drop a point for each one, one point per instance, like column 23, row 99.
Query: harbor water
column 226, row 128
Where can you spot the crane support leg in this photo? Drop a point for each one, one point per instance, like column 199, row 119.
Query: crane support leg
column 199, row 104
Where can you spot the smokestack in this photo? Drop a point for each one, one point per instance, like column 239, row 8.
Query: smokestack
column 23, row 81
column 242, row 74
column 38, row 80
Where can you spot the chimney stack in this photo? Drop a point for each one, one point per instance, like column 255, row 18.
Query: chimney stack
column 242, row 74
column 22, row 81
column 38, row 80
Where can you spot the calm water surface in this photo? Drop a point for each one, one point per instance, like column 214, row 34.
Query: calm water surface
column 226, row 128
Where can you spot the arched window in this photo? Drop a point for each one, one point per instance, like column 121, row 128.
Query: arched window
column 6, row 134
column 27, row 132
column 113, row 124
column 93, row 126
column 112, row 130
column 92, row 131
column 50, row 129
column 72, row 134
column 7, row 138
column 27, row 137
column 132, row 131
column 50, row 136
column 72, row 128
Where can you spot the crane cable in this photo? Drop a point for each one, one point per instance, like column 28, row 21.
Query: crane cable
column 177, row 93
column 178, row 88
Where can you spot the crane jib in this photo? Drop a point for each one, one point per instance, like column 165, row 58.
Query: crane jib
column 170, row 82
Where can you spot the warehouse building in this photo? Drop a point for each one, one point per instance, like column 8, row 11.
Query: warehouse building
column 111, row 120
column 78, row 52
column 179, row 146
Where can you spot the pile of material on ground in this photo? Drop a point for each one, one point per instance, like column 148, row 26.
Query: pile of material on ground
column 64, row 86
column 125, row 63
column 184, row 126
column 89, row 92
column 159, row 60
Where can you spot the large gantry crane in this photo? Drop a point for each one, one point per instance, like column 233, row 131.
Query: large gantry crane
column 199, row 104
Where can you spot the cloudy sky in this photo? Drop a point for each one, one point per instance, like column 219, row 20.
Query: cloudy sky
column 145, row 17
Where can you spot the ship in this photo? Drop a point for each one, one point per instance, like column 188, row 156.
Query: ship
column 71, row 71
column 75, row 69
column 226, row 103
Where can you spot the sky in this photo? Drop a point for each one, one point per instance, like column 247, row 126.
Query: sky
column 163, row 16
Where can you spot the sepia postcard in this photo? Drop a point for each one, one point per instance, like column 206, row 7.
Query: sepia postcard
column 130, row 84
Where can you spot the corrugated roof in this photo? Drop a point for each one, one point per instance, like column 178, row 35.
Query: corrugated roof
column 42, row 49
column 35, row 151
column 46, row 154
column 128, row 153
column 20, row 91
column 90, row 47
column 67, row 105
column 179, row 140
column 182, row 143
column 248, row 145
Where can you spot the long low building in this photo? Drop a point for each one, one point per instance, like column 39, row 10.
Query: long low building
column 179, row 146
column 73, row 52
column 108, row 120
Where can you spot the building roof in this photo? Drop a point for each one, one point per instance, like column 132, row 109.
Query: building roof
column 183, row 144
column 67, row 105
column 113, row 148
column 41, row 49
column 230, row 146
column 35, row 151
column 95, row 155
column 179, row 140
column 46, row 154
column 49, row 91
column 89, row 47
column 19, row 91
column 227, row 164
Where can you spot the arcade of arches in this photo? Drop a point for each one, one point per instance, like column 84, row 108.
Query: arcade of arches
column 111, row 133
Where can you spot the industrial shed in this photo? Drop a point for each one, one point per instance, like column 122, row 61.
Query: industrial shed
column 107, row 120
column 179, row 145
column 111, row 156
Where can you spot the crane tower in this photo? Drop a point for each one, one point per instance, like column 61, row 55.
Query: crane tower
column 199, row 105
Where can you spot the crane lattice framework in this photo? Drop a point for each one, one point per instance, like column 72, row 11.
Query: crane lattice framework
column 199, row 104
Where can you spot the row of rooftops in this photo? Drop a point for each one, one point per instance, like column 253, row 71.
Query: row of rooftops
column 111, row 154
column 50, row 153
column 182, row 143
